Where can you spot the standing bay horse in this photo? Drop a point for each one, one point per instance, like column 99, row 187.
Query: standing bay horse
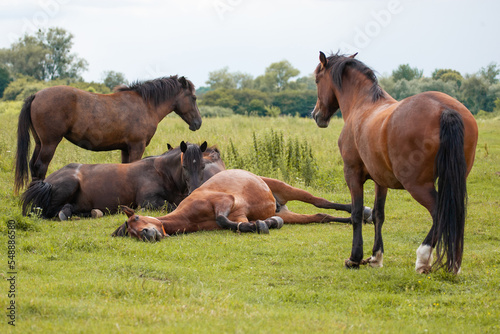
column 125, row 120
column 152, row 182
column 400, row 145
column 232, row 199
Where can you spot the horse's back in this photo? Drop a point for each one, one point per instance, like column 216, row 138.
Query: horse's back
column 413, row 134
column 235, row 181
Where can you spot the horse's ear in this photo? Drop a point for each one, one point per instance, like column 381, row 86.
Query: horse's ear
column 354, row 55
column 323, row 60
column 183, row 147
column 183, row 82
column 203, row 146
column 128, row 211
column 169, row 147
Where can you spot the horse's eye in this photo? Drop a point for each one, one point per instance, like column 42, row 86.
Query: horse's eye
column 136, row 218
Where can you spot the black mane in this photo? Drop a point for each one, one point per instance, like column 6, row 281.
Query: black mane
column 159, row 90
column 337, row 63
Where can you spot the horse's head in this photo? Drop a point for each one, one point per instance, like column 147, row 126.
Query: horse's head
column 141, row 227
column 185, row 105
column 327, row 103
column 193, row 164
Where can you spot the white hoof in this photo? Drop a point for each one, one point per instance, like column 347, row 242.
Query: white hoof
column 423, row 264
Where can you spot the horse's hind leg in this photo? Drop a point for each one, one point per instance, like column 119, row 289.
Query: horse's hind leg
column 290, row 217
column 45, row 155
column 284, row 192
column 377, row 258
column 66, row 212
column 34, row 156
column 427, row 196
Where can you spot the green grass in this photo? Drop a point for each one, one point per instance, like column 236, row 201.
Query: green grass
column 73, row 277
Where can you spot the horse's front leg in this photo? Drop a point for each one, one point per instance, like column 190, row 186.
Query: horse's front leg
column 355, row 183
column 376, row 260
column 134, row 152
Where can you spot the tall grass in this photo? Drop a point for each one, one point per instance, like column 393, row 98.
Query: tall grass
column 73, row 277
column 275, row 156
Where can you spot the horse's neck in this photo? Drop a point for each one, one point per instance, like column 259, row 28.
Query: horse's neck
column 163, row 109
column 170, row 169
column 356, row 96
column 175, row 222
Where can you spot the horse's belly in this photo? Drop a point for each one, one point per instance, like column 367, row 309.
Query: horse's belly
column 388, row 179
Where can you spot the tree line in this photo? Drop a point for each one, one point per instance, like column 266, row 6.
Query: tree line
column 45, row 59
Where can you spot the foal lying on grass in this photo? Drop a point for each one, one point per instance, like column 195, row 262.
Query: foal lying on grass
column 232, row 199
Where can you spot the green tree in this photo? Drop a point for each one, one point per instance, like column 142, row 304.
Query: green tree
column 112, row 79
column 243, row 80
column 44, row 56
column 277, row 76
column 448, row 75
column 490, row 73
column 474, row 93
column 25, row 57
column 406, row 72
column 221, row 79
column 295, row 102
column 219, row 97
column 5, row 79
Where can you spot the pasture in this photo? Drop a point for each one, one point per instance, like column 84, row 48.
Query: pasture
column 73, row 277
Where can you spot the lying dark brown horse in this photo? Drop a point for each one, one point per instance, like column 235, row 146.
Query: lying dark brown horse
column 232, row 199
column 125, row 120
column 152, row 182
column 400, row 145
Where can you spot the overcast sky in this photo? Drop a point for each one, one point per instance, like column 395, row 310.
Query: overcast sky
column 153, row 38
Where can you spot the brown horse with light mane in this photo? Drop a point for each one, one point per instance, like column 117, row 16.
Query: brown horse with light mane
column 125, row 120
column 400, row 145
column 232, row 199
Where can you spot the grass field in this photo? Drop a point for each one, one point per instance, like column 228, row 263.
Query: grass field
column 73, row 277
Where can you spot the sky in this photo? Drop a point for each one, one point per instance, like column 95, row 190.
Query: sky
column 152, row 38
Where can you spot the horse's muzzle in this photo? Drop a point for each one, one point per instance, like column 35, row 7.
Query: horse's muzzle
column 195, row 125
column 320, row 121
column 151, row 235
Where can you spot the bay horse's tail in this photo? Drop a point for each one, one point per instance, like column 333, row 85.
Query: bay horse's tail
column 23, row 145
column 451, row 173
column 38, row 197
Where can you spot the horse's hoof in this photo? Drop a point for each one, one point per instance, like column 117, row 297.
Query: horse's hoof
column 96, row 213
column 375, row 261
column 275, row 222
column 423, row 269
column 351, row 264
column 62, row 216
column 262, row 227
column 367, row 215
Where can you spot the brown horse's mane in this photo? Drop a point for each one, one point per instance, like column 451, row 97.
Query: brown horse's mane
column 159, row 90
column 337, row 63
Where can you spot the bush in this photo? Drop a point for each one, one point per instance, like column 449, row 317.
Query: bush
column 214, row 111
column 274, row 156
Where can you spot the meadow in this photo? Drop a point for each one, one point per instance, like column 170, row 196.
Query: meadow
column 74, row 277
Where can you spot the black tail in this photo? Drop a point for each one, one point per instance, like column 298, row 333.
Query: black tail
column 23, row 145
column 38, row 197
column 451, row 173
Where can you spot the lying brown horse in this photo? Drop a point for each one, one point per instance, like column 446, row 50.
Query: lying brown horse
column 400, row 145
column 232, row 199
column 125, row 120
column 152, row 182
